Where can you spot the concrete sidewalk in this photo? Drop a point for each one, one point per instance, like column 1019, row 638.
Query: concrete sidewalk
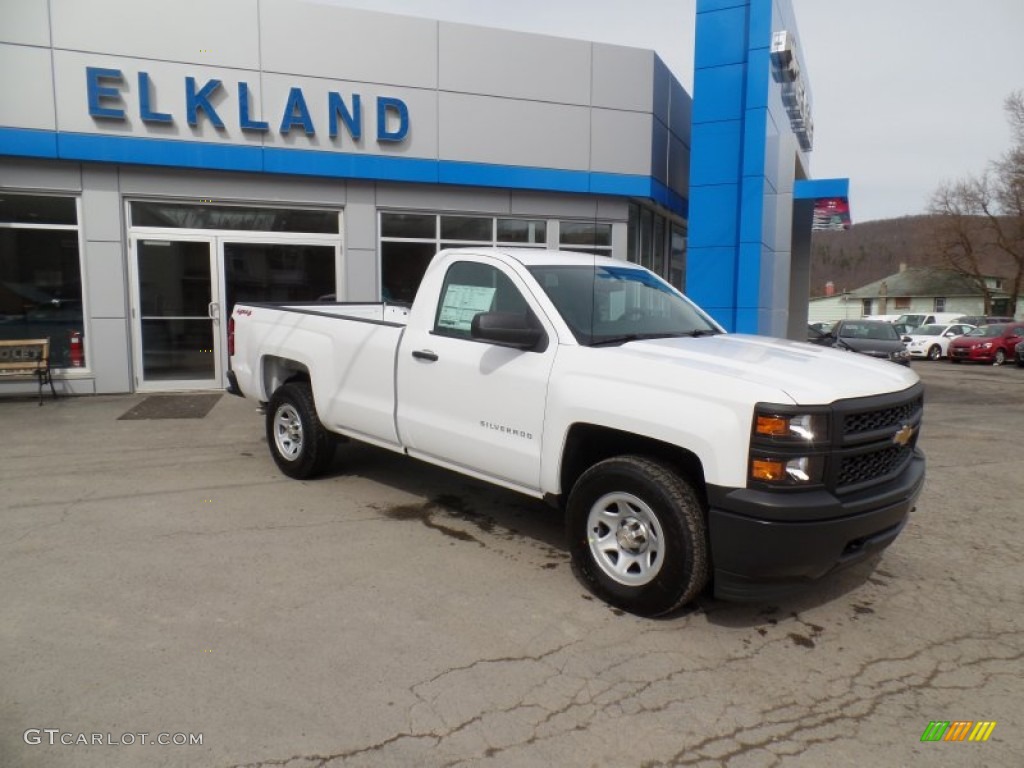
column 160, row 576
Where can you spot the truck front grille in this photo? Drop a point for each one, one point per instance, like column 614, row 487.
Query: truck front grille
column 869, row 421
column 877, row 465
column 874, row 438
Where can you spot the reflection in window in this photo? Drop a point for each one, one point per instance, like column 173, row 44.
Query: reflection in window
column 408, row 241
column 41, row 274
column 236, row 217
column 282, row 272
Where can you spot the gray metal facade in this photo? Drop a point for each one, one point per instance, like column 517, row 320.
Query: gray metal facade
column 530, row 125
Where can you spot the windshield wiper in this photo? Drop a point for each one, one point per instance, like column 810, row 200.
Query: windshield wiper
column 704, row 332
column 627, row 337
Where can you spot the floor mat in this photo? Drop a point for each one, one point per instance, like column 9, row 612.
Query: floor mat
column 172, row 407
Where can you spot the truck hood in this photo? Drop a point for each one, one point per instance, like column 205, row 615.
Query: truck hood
column 809, row 374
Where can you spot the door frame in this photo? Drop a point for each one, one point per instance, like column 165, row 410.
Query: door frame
column 217, row 238
column 216, row 298
column 246, row 237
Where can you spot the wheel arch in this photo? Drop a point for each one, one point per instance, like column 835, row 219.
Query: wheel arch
column 588, row 444
column 276, row 371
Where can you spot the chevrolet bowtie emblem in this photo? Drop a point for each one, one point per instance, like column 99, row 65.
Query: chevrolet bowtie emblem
column 904, row 436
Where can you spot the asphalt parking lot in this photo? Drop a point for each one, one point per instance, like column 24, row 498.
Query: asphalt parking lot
column 161, row 577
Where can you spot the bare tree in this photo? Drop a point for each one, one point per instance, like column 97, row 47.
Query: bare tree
column 982, row 217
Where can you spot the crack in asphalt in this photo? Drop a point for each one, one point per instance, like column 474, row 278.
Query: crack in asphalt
column 787, row 729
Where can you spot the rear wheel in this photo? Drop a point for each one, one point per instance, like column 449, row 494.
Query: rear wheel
column 1000, row 357
column 934, row 352
column 300, row 445
column 637, row 535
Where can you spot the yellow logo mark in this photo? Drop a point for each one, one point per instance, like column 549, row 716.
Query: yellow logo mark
column 904, row 436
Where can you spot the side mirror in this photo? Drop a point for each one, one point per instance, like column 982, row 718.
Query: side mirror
column 906, row 338
column 509, row 329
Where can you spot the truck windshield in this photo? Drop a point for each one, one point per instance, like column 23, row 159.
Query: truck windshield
column 605, row 304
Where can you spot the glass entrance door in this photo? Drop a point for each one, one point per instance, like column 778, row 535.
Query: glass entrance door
column 176, row 314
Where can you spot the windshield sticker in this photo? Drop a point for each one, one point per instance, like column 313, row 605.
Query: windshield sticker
column 462, row 303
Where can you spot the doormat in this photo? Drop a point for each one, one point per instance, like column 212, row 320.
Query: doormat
column 172, row 407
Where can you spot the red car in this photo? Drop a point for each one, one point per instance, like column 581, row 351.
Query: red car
column 989, row 344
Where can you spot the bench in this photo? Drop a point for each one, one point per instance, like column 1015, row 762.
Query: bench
column 27, row 358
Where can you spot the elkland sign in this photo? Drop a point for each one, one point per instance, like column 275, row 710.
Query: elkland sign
column 206, row 102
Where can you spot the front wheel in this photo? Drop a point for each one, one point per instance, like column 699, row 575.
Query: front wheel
column 935, row 352
column 300, row 445
column 1000, row 357
column 637, row 535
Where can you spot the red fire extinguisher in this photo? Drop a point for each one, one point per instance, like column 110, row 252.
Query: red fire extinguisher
column 77, row 349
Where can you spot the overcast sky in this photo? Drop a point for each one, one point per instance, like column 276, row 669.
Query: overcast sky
column 907, row 93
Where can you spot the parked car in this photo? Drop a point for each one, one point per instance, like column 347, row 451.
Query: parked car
column 932, row 341
column 988, row 344
column 874, row 338
column 978, row 320
column 907, row 323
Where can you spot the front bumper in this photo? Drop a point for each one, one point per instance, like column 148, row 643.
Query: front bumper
column 972, row 355
column 767, row 544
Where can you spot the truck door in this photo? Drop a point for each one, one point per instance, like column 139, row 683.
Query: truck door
column 468, row 403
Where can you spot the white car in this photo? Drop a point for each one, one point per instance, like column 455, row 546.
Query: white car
column 932, row 341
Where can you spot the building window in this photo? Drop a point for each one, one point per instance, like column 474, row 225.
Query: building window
column 865, row 307
column 940, row 304
column 41, row 273
column 588, row 236
column 408, row 241
column 658, row 244
column 901, row 302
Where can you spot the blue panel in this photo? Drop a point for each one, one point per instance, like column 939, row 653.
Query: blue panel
column 715, row 157
column 182, row 154
column 714, row 216
column 752, row 209
column 482, row 175
column 747, row 320
column 620, row 184
column 230, row 157
column 721, row 38
column 705, row 6
column 760, row 24
column 758, row 77
column 25, row 142
column 718, row 93
column 814, row 188
column 308, row 162
column 711, row 280
column 748, row 275
column 754, row 142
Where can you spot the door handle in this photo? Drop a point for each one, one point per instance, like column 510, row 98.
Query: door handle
column 425, row 354
column 213, row 310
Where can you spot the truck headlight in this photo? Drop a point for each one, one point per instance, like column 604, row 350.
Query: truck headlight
column 772, row 426
column 799, row 471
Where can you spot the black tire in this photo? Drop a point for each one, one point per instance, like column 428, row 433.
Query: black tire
column 300, row 445
column 1000, row 357
column 934, row 352
column 662, row 519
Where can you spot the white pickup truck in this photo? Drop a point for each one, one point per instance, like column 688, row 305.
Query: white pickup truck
column 681, row 455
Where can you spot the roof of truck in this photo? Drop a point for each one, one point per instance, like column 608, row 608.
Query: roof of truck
column 541, row 257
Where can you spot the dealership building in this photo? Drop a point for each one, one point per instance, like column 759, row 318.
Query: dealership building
column 161, row 161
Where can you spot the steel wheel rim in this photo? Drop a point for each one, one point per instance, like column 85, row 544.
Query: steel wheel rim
column 288, row 432
column 626, row 539
column 1000, row 357
column 935, row 352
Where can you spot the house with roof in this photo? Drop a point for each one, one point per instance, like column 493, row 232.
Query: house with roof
column 914, row 290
